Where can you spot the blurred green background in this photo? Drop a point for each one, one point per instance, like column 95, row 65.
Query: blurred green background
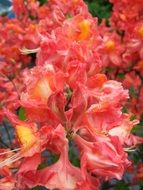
column 99, row 8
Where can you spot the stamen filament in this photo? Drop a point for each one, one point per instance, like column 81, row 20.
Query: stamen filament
column 10, row 160
column 10, row 151
column 26, row 51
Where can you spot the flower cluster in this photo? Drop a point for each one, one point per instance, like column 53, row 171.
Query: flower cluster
column 16, row 34
column 68, row 101
column 123, row 49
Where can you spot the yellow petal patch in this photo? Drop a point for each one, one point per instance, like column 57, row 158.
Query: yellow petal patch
column 25, row 135
column 85, row 29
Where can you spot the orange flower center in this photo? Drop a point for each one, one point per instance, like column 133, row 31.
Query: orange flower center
column 75, row 1
column 140, row 31
column 110, row 45
column 85, row 29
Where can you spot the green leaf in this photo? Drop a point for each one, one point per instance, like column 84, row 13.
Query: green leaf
column 121, row 75
column 21, row 114
column 35, row 188
column 124, row 109
column 133, row 117
column 121, row 185
column 54, row 158
column 133, row 92
column 73, row 155
column 42, row 165
column 100, row 8
column 141, row 183
column 135, row 157
column 138, row 129
column 42, row 2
